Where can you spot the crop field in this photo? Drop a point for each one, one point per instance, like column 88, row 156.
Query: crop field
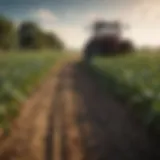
column 19, row 74
column 41, row 108
column 133, row 79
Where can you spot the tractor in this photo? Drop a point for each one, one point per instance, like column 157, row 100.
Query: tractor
column 106, row 40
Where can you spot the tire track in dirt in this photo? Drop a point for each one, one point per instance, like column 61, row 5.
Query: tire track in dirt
column 53, row 137
column 26, row 139
column 69, row 118
column 46, row 128
column 74, row 141
column 63, row 139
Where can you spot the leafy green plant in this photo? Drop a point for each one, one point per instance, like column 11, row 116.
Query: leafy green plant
column 19, row 75
column 134, row 79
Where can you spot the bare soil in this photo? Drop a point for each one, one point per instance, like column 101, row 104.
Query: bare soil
column 69, row 118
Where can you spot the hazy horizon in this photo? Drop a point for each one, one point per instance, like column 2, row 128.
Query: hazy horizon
column 68, row 18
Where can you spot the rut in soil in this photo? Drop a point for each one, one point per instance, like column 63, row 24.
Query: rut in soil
column 69, row 118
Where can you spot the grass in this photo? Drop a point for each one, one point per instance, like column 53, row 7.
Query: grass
column 133, row 79
column 19, row 74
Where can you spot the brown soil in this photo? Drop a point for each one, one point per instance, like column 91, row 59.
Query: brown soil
column 69, row 118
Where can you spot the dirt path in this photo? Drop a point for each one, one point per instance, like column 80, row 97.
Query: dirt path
column 69, row 118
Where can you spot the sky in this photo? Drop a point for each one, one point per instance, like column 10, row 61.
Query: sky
column 70, row 19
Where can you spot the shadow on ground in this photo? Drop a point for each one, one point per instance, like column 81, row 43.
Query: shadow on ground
column 112, row 132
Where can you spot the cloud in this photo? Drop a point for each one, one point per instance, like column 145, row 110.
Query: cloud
column 141, row 17
column 72, row 34
column 93, row 16
column 145, row 12
column 45, row 16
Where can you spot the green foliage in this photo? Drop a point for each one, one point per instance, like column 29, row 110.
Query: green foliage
column 29, row 35
column 19, row 75
column 51, row 40
column 32, row 37
column 134, row 79
column 7, row 34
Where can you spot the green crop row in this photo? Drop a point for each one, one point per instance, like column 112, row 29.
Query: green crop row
column 133, row 79
column 19, row 74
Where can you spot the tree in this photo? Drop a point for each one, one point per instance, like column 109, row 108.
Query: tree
column 51, row 40
column 30, row 36
column 7, row 34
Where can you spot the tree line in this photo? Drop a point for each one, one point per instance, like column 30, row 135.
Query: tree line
column 28, row 35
